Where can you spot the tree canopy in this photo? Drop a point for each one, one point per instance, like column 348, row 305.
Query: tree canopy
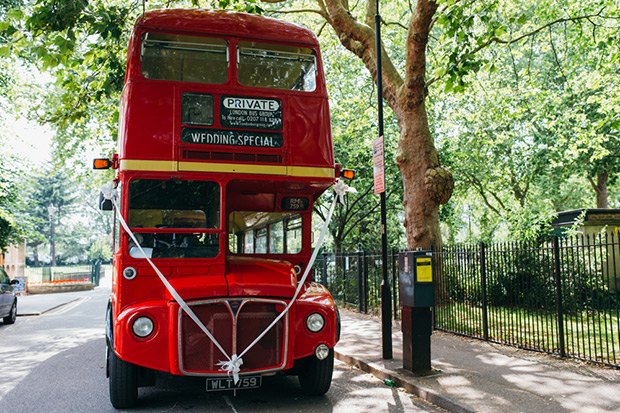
column 519, row 101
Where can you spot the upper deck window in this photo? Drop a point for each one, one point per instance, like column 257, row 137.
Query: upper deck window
column 276, row 66
column 183, row 58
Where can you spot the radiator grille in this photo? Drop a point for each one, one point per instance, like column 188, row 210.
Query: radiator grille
column 200, row 356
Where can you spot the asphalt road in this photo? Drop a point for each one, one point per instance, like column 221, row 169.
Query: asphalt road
column 55, row 363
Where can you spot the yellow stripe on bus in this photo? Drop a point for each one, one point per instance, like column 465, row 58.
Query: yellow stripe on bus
column 171, row 166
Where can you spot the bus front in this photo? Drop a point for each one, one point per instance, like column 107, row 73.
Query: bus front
column 224, row 147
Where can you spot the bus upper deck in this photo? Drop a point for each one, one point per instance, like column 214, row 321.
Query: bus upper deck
column 214, row 91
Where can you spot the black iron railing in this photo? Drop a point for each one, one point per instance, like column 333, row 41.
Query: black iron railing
column 559, row 296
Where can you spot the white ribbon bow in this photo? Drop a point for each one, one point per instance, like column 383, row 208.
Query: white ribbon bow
column 341, row 189
column 232, row 366
column 109, row 192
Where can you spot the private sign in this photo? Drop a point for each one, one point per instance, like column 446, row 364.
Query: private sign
column 249, row 103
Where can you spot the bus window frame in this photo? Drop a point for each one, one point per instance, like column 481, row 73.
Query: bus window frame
column 221, row 230
column 237, row 51
column 229, row 56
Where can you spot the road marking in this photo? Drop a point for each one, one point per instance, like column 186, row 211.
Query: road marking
column 63, row 308
column 229, row 403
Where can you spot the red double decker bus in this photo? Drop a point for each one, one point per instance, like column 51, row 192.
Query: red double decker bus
column 224, row 146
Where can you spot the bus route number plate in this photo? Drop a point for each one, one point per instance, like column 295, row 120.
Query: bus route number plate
column 227, row 383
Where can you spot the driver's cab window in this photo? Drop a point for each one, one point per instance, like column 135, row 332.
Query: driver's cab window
column 158, row 206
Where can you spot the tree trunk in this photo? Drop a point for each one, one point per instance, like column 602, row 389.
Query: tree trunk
column 600, row 188
column 426, row 183
column 422, row 175
column 36, row 255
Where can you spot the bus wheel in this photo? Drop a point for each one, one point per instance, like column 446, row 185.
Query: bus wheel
column 315, row 376
column 10, row 319
column 123, row 382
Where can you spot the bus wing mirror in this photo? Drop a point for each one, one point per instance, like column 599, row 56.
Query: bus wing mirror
column 105, row 204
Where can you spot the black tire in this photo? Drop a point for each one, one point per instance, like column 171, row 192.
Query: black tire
column 315, row 376
column 10, row 319
column 123, row 382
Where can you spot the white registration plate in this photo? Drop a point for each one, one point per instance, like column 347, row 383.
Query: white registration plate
column 227, row 383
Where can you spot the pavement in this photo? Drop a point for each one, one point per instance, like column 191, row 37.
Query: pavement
column 475, row 376
column 468, row 375
column 38, row 304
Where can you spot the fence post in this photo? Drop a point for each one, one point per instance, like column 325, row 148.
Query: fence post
column 558, row 295
column 483, row 281
column 394, row 283
column 360, row 282
column 365, row 278
column 324, row 269
column 435, row 272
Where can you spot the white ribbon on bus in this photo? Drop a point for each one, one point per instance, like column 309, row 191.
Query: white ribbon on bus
column 233, row 363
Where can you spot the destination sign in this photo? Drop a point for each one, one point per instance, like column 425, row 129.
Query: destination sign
column 231, row 138
column 248, row 112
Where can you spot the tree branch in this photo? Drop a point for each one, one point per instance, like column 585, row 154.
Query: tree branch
column 272, row 12
column 359, row 38
column 497, row 40
column 481, row 191
column 417, row 41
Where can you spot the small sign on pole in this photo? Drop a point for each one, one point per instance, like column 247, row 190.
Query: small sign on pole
column 377, row 165
column 21, row 287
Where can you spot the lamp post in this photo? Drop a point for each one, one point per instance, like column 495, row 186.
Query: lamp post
column 386, row 305
column 52, row 211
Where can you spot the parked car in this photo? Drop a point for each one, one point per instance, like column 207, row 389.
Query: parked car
column 8, row 299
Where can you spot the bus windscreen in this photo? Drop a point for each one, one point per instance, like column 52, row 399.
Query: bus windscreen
column 157, row 204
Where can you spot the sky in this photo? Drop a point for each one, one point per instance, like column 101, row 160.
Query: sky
column 21, row 136
column 29, row 139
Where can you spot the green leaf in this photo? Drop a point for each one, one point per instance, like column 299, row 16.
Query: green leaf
column 15, row 14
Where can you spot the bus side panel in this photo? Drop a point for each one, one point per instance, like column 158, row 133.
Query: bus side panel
column 305, row 340
column 147, row 351
column 148, row 122
column 310, row 142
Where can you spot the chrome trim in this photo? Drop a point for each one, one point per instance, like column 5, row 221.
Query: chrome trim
column 226, row 301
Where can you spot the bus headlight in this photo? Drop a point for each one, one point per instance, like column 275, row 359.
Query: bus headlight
column 143, row 327
column 321, row 351
column 315, row 322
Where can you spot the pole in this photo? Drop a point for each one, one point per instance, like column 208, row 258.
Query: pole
column 386, row 306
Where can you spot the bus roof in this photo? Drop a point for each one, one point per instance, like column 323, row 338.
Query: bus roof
column 226, row 22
